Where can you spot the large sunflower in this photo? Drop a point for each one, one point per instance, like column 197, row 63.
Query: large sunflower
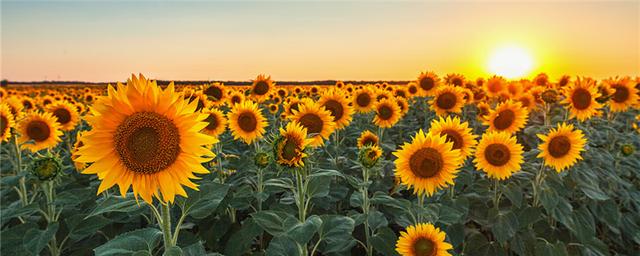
column 6, row 122
column 246, row 121
column 65, row 113
column 367, row 138
column 428, row 82
column 289, row 147
column 145, row 138
column 387, row 113
column 423, row 239
column 216, row 122
column 457, row 132
column 561, row 148
column 39, row 131
column 428, row 163
column 581, row 96
column 261, row 87
column 337, row 104
column 447, row 99
column 317, row 120
column 498, row 154
column 624, row 94
column 508, row 116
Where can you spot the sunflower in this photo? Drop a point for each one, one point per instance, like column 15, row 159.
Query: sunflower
column 423, row 239
column 74, row 154
column 624, row 95
column 494, row 86
column 337, row 104
column 428, row 82
column 6, row 122
column 28, row 103
column 15, row 107
column 457, row 132
column 46, row 100
column 581, row 99
column 527, row 101
column 428, row 163
column 454, row 79
column 561, row 148
column 412, row 89
column 289, row 147
column 363, row 100
column 369, row 155
column 403, row 105
column 145, row 138
column 235, row 97
column 387, row 113
column 246, row 121
column 216, row 122
column 447, row 99
column 215, row 93
column 498, row 154
column 65, row 113
column 367, row 138
column 508, row 116
column 261, row 87
column 39, row 131
column 317, row 120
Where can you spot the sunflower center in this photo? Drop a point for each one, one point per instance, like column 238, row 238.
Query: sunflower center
column 427, row 83
column 261, row 88
column 63, row 115
column 504, row 119
column 446, row 100
column 247, row 122
column 335, row 108
column 212, row 122
column 235, row 99
column 46, row 102
column 363, row 99
column 413, row 90
column 214, row 91
column 289, row 150
column 559, row 146
column 497, row 154
column 457, row 81
column 312, row 122
column 27, row 104
column 621, row 94
column 147, row 142
column 385, row 112
column 294, row 106
column 369, row 141
column 426, row 162
column 424, row 247
column 4, row 124
column 581, row 98
column 38, row 130
column 453, row 136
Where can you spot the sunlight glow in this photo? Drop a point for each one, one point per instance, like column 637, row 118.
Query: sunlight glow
column 510, row 62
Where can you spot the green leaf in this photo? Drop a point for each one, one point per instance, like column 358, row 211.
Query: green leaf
column 282, row 246
column 145, row 239
column 35, row 240
column 12, row 242
column 115, row 204
column 82, row 227
column 241, row 241
column 506, row 225
column 514, row 193
column 195, row 249
column 335, row 233
column 582, row 224
column 274, row 222
column 384, row 241
column 17, row 210
column 285, row 183
column 376, row 220
column 173, row 251
column 319, row 186
column 203, row 203
column 303, row 232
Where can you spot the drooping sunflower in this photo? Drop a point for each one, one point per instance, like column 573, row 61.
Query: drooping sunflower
column 387, row 113
column 261, row 87
column 581, row 96
column 215, row 93
column 216, row 123
column 363, row 100
column 624, row 95
column 428, row 82
column 428, row 163
column 337, row 104
column 6, row 122
column 457, row 132
column 65, row 113
column 367, row 138
column 508, row 117
column 39, row 131
column 423, row 239
column 290, row 145
column 317, row 120
column 561, row 148
column 145, row 138
column 246, row 121
column 447, row 99
column 498, row 154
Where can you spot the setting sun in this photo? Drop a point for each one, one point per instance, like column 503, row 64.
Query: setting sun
column 510, row 62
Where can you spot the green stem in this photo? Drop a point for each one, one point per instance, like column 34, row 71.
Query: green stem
column 537, row 183
column 365, row 210
column 496, row 195
column 165, row 223
column 22, row 191
column 421, row 206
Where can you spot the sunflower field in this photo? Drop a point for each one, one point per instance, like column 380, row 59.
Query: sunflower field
column 442, row 165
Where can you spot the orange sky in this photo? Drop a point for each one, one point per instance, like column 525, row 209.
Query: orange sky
column 393, row 40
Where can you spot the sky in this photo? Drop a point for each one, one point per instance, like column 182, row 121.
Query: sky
column 101, row 41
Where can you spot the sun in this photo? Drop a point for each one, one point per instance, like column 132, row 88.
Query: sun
column 510, row 62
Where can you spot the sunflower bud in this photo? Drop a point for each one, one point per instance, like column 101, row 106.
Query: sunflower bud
column 46, row 168
column 627, row 149
column 550, row 96
column 369, row 155
column 262, row 159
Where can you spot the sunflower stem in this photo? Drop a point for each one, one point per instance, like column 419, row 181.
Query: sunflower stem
column 496, row 195
column 365, row 209
column 536, row 185
column 165, row 223
column 22, row 191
